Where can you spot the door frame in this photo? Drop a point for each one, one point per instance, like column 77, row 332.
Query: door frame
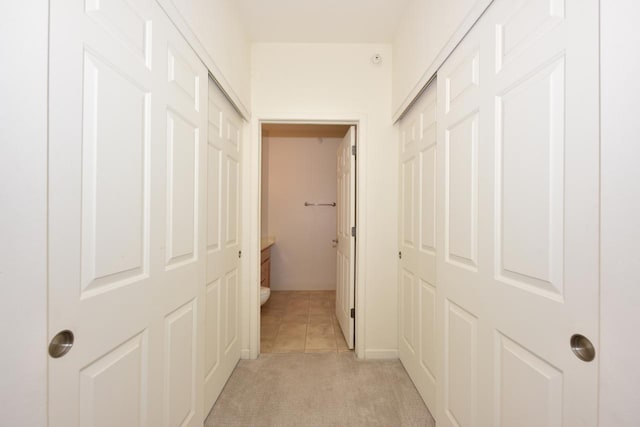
column 252, row 193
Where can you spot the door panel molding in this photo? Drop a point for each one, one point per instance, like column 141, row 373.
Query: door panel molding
column 516, row 270
column 417, row 227
column 126, row 198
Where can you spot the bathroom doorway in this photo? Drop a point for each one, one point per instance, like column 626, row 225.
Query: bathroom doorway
column 307, row 250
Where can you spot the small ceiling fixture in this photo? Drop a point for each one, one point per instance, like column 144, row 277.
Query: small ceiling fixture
column 376, row 59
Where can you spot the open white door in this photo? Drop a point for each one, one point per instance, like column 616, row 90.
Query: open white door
column 346, row 221
column 222, row 343
column 128, row 127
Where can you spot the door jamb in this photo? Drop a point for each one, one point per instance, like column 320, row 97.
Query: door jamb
column 251, row 200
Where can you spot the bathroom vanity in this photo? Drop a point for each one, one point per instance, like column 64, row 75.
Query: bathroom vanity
column 265, row 261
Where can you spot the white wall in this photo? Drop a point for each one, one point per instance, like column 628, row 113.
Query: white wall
column 301, row 169
column 426, row 35
column 312, row 80
column 214, row 29
column 23, row 212
column 620, row 227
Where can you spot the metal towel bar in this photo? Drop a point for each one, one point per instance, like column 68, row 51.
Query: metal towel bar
column 320, row 204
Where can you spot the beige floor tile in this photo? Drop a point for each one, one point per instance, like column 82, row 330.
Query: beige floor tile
column 298, row 295
column 276, row 304
column 296, row 317
column 300, row 321
column 320, row 310
column 340, row 342
column 281, row 292
column 271, row 309
column 324, row 326
column 291, row 337
column 319, row 317
column 265, row 345
column 320, row 295
column 276, row 295
column 321, row 306
column 269, row 330
column 335, row 320
column 288, row 329
column 319, row 303
column 319, row 350
column 270, row 318
column 320, row 336
column 294, row 303
column 296, row 310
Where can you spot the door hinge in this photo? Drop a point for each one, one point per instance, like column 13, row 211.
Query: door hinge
column 239, row 254
column 353, row 150
column 400, row 255
column 353, row 231
column 353, row 313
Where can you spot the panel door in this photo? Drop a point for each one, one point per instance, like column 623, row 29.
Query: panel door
column 461, row 297
column 222, row 343
column 183, row 293
column 518, row 217
column 126, row 271
column 345, row 252
column 417, row 245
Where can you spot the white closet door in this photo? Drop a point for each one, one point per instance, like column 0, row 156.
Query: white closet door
column 184, row 267
column 417, row 244
column 518, row 217
column 346, row 219
column 222, row 343
column 461, row 297
column 126, row 203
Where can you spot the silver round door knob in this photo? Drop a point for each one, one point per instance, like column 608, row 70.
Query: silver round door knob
column 61, row 343
column 582, row 348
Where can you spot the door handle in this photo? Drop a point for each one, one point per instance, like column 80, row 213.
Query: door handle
column 583, row 348
column 334, row 242
column 61, row 343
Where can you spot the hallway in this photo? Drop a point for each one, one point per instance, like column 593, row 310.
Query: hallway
column 328, row 389
column 484, row 249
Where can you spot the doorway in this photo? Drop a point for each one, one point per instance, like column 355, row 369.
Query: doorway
column 307, row 249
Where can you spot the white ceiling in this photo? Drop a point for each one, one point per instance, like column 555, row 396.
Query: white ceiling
column 321, row 21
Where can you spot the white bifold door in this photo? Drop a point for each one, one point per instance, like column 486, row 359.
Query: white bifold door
column 516, row 247
column 128, row 221
column 345, row 224
column 417, row 245
column 222, row 341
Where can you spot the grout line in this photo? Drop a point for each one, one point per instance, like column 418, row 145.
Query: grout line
column 308, row 298
column 306, row 329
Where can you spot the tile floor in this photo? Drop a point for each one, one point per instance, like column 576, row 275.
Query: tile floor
column 300, row 322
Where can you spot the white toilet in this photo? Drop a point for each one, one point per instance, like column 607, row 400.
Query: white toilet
column 264, row 294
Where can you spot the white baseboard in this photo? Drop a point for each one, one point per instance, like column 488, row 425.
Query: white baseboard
column 371, row 354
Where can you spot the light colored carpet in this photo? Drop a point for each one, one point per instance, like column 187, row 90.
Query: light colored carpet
column 333, row 389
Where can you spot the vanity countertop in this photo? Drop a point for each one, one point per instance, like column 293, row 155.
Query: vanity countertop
column 267, row 242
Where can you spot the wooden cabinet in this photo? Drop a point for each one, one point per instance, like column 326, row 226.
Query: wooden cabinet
column 265, row 266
